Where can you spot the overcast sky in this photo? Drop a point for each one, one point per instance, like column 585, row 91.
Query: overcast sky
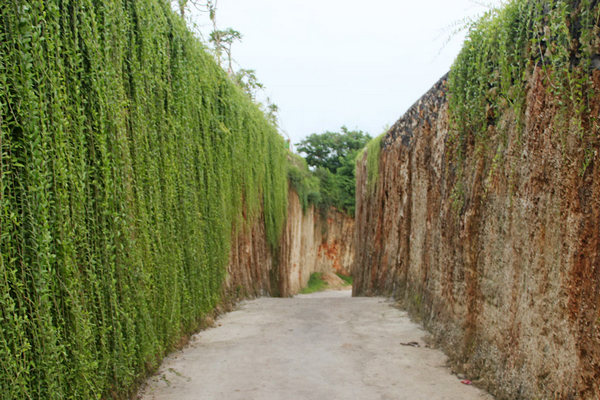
column 328, row 63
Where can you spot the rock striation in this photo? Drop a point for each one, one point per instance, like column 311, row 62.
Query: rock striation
column 311, row 242
column 498, row 257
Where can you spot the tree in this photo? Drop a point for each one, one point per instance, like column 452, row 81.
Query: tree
column 271, row 112
column 222, row 41
column 182, row 4
column 329, row 149
column 331, row 155
column 246, row 79
column 208, row 5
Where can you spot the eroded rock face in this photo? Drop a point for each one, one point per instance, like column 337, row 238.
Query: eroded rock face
column 314, row 243
column 251, row 266
column 310, row 243
column 504, row 269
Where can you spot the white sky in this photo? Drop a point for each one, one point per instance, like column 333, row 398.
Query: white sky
column 328, row 63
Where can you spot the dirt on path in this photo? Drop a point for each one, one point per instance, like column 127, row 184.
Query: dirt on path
column 322, row 346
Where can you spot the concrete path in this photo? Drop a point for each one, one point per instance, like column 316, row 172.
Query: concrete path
column 324, row 346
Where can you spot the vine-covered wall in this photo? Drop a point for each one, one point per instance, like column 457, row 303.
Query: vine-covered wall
column 128, row 161
column 484, row 219
column 491, row 74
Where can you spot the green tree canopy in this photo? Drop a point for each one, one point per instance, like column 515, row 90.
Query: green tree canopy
column 331, row 156
column 330, row 149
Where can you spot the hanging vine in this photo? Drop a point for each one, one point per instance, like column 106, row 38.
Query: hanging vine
column 126, row 158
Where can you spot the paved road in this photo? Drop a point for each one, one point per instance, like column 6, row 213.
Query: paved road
column 324, row 346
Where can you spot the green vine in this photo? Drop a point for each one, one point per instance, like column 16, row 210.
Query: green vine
column 304, row 182
column 127, row 157
column 373, row 149
column 489, row 77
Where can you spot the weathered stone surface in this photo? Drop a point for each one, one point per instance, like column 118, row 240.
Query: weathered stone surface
column 505, row 271
column 251, row 264
column 312, row 243
column 309, row 244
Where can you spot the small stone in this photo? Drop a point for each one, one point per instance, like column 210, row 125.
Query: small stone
column 596, row 61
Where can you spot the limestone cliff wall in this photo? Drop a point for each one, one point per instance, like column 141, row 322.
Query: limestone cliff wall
column 504, row 269
column 310, row 243
column 251, row 271
column 314, row 243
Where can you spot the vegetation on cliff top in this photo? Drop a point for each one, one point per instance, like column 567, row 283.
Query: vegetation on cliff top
column 332, row 156
column 304, row 181
column 373, row 149
column 490, row 75
column 127, row 156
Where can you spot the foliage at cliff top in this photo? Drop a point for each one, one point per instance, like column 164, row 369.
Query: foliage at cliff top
column 332, row 157
column 489, row 76
column 373, row 149
column 126, row 159
column 304, row 181
column 330, row 149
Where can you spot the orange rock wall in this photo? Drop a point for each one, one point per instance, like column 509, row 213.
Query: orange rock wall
column 314, row 243
column 504, row 270
column 310, row 243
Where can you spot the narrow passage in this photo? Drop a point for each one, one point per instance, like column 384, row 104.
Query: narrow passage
column 322, row 346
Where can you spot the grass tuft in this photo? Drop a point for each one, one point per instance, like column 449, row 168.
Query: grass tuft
column 315, row 284
column 348, row 280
